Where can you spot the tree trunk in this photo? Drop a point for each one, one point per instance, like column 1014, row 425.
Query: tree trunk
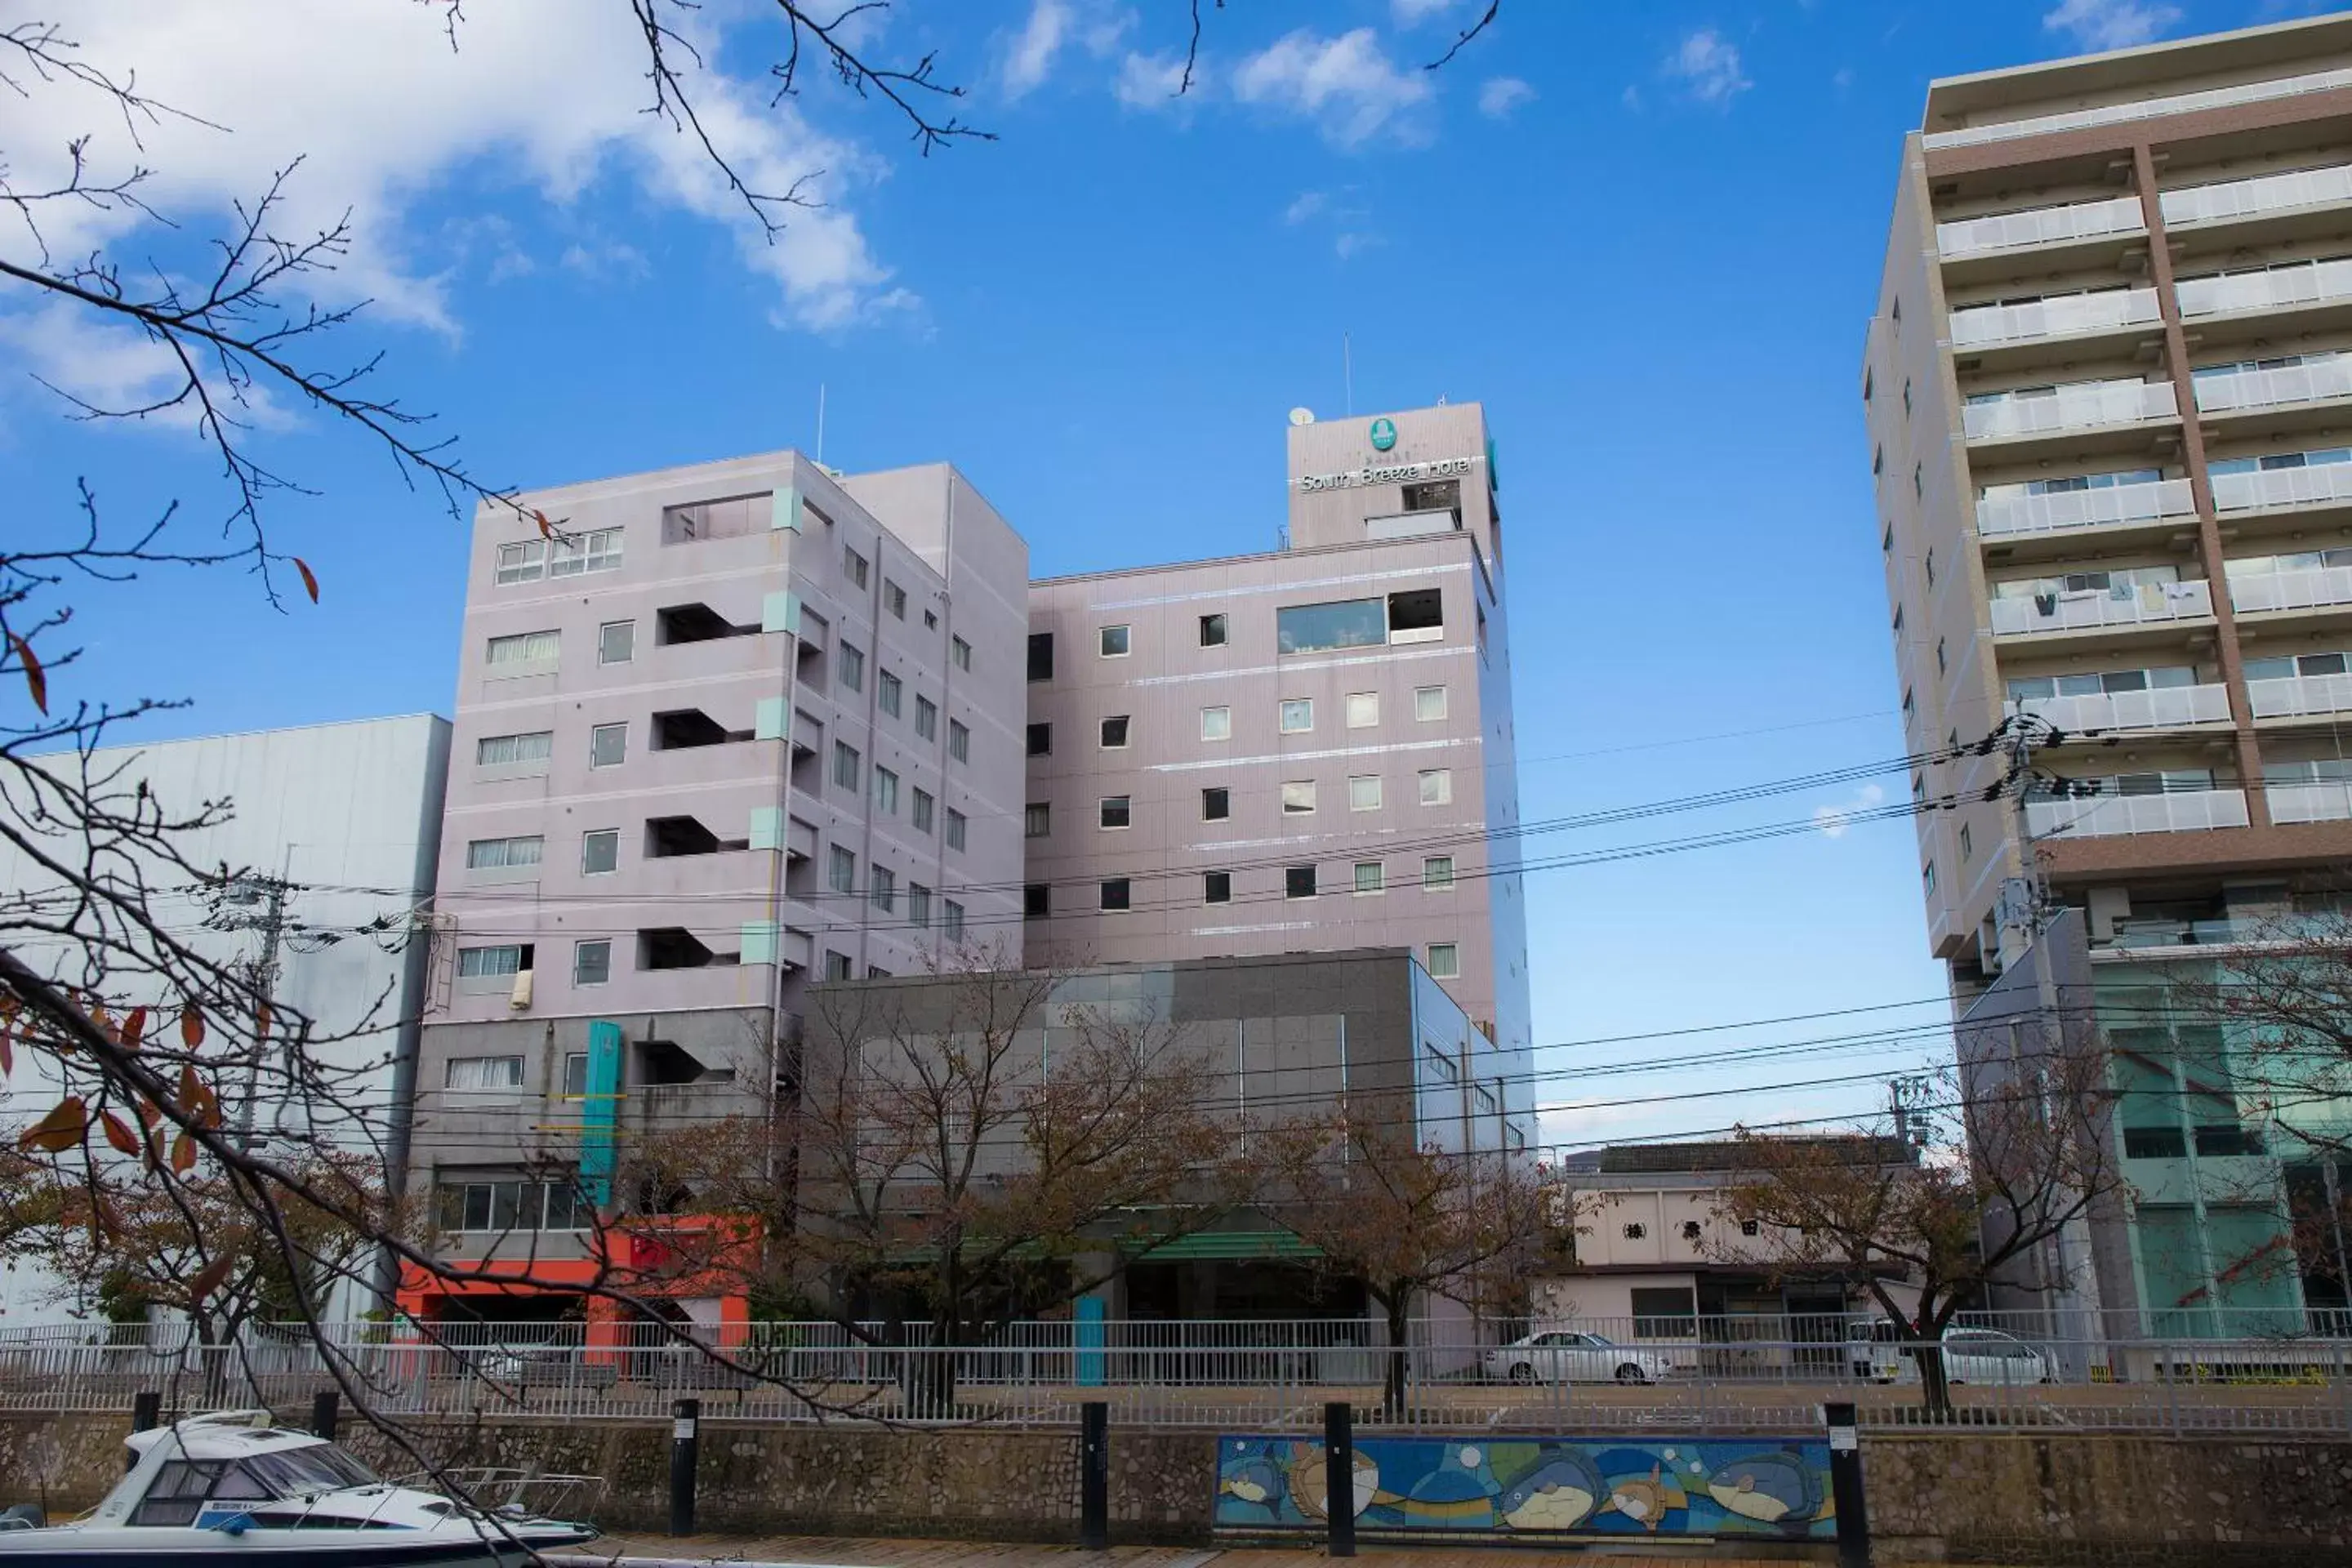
column 928, row 1378
column 1935, row 1377
column 1394, row 1380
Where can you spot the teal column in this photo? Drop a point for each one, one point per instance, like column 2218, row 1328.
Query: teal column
column 781, row 612
column 1088, row 1329
column 784, row 515
column 767, row 828
column 772, row 719
column 600, row 1112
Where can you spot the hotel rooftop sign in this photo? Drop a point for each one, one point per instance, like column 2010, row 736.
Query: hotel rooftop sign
column 1388, row 474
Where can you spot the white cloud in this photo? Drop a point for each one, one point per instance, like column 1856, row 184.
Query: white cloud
column 1833, row 820
column 1413, row 13
column 542, row 94
column 1352, row 244
column 1030, row 59
column 1347, row 85
column 1498, row 95
column 1307, row 204
column 1151, row 82
column 1708, row 68
column 2111, row 23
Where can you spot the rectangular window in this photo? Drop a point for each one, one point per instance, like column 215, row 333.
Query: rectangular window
column 959, row 740
column 484, row 1072
column 921, row 815
column 597, row 551
column 841, row 870
column 1116, row 811
column 1216, row 724
column 1041, row 740
column 1363, row 709
column 1115, row 894
column 525, row 562
column 960, row 651
column 1041, row 656
column 846, row 762
column 1297, row 715
column 853, row 667
column 522, row 647
column 504, row 854
column 919, row 906
column 853, row 566
column 1299, row 797
column 1217, row 887
column 1428, row 703
column 591, row 963
column 575, row 1071
column 1436, row 786
column 1436, row 873
column 1212, row 631
column 1037, row 822
column 837, row 966
column 1445, row 960
column 475, row 963
column 1364, row 793
column 887, row 692
column 1299, row 882
column 617, row 642
column 499, row 751
column 894, row 598
column 886, row 791
column 882, row 885
column 1113, row 732
column 1114, row 642
column 927, row 719
column 608, row 745
column 951, row 919
column 955, row 834
column 1927, row 879
column 1351, row 623
column 600, row 851
column 1371, row 877
column 1216, row 803
column 1036, row 900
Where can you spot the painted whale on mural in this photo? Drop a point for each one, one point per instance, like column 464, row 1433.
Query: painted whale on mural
column 1771, row 1489
column 1560, row 1493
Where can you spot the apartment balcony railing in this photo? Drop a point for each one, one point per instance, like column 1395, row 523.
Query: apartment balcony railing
column 2262, row 194
column 2309, row 801
column 2313, row 485
column 2168, row 708
column 2310, row 283
column 2145, row 109
column 2113, row 506
column 2101, row 816
column 2038, row 225
column 2294, row 696
column 2306, row 590
column 1980, row 325
column 2084, row 406
column 2265, row 388
column 2152, row 603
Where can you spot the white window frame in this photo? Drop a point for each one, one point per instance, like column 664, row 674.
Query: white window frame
column 544, row 751
column 1432, row 879
column 1299, row 790
column 1126, row 641
column 959, row 740
column 596, row 734
column 508, row 1080
column 960, row 651
column 889, row 692
column 522, row 648
column 958, row 829
column 927, row 717
column 512, row 852
column 1217, row 728
column 1445, row 967
column 1422, row 705
column 1302, row 707
column 604, row 643
column 1437, row 786
column 579, row 950
column 1362, row 709
column 1379, row 880
column 1102, row 809
column 1361, row 798
column 589, row 837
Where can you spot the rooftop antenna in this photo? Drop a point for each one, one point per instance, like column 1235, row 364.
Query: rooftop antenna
column 1347, row 371
column 820, row 424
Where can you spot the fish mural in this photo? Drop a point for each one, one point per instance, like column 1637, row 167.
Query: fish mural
column 1629, row 1486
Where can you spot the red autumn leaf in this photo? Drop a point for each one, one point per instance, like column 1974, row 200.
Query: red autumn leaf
column 60, row 1130
column 36, row 681
column 191, row 1088
column 148, row 1115
column 119, row 1133
column 134, row 1027
column 104, row 1020
column 183, row 1154
column 7, row 1054
column 309, row 582
column 546, row 531
column 208, row 1278
column 192, row 1026
column 261, row 1017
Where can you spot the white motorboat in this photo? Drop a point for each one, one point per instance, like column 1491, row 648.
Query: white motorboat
column 229, row 1488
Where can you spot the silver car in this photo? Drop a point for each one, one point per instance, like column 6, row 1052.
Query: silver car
column 1986, row 1357
column 1560, row 1355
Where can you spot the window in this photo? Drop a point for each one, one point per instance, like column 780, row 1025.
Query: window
column 1041, row 656
column 521, row 562
column 845, row 762
column 853, row 566
column 927, row 719
column 1037, row 822
column 919, row 906
column 1212, row 631
column 921, row 815
column 841, row 870
column 1299, row 882
column 1216, row 724
column 1113, row 641
column 1364, row 793
column 1299, row 797
column 931, row 620
column 500, row 751
column 1436, row 786
column 955, row 834
column 1041, row 740
column 894, row 598
column 959, row 740
column 1115, row 894
column 522, row 647
column 1428, row 703
column 1351, row 623
column 1115, row 811
column 1216, row 803
column 1927, row 879
column 608, row 745
column 1363, row 709
column 617, row 642
column 575, row 1071
column 886, row 791
column 504, row 854
column 1436, row 873
column 951, row 919
column 853, row 667
column 1968, row 846
column 591, row 963
column 1371, row 877
column 1036, row 900
column 600, row 851
column 887, row 692
column 1750, row 1228
column 484, row 1072
column 1113, row 732
column 1445, row 960
column 960, row 651
column 1217, row 887
column 1297, row 715
column 882, row 887
column 473, row 962
column 837, row 966
column 527, row 563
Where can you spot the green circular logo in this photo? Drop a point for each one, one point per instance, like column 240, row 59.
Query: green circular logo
column 1383, row 434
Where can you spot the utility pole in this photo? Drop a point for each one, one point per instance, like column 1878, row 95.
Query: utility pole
column 269, row 893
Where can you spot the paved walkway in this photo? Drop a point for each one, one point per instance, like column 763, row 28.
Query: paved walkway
column 829, row 1552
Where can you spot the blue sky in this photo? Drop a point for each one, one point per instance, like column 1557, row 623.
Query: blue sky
column 1645, row 236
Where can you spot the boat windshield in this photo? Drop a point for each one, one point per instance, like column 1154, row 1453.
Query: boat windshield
column 322, row 1467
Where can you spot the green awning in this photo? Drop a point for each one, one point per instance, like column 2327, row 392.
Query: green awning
column 1236, row 1244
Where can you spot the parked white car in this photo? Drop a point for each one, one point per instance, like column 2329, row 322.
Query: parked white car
column 1986, row 1357
column 1565, row 1356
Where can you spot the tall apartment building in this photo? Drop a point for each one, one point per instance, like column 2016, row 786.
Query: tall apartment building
column 2108, row 387
column 1304, row 751
column 741, row 727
